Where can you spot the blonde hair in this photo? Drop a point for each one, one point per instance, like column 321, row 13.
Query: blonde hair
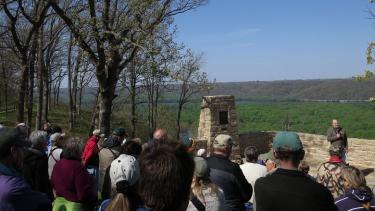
column 354, row 177
column 119, row 203
column 200, row 183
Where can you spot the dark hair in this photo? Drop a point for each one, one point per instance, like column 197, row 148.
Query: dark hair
column 251, row 153
column 294, row 156
column 56, row 129
column 166, row 176
column 9, row 138
column 72, row 149
column 131, row 148
column 304, row 167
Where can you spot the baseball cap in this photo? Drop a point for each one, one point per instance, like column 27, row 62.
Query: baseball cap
column 287, row 141
column 200, row 152
column 119, row 131
column 223, row 140
column 125, row 167
column 201, row 168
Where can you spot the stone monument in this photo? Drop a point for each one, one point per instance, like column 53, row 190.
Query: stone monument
column 218, row 116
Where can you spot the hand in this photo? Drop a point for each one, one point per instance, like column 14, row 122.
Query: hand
column 338, row 135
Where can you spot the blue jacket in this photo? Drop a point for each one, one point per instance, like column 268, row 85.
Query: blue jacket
column 355, row 199
column 16, row 194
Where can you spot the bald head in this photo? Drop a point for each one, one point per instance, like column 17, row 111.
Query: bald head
column 160, row 134
column 335, row 123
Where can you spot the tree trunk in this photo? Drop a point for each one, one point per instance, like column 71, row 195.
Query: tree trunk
column 71, row 106
column 39, row 111
column 58, row 91
column 79, row 101
column 5, row 91
column 178, row 120
column 45, row 95
column 106, row 97
column 75, row 85
column 21, row 92
column 31, row 80
column 44, row 77
column 133, row 91
column 94, row 114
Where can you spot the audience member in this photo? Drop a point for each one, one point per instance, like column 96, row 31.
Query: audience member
column 138, row 140
column 287, row 188
column 202, row 153
column 228, row 175
column 305, row 168
column 22, row 130
column 204, row 194
column 35, row 167
column 160, row 135
column 73, row 185
column 90, row 155
column 111, row 149
column 132, row 148
column 358, row 195
column 15, row 193
column 329, row 173
column 129, row 148
column 269, row 160
column 251, row 169
column 124, row 173
column 166, row 175
column 55, row 154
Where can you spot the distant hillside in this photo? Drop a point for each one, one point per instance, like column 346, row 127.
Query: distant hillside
column 327, row 89
column 319, row 89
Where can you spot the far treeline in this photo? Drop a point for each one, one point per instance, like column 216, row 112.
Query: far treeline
column 286, row 90
column 93, row 44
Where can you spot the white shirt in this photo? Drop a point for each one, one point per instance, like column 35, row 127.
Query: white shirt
column 252, row 172
column 53, row 158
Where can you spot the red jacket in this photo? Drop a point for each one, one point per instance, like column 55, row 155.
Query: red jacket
column 90, row 155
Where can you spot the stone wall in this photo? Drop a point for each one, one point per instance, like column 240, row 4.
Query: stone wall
column 361, row 151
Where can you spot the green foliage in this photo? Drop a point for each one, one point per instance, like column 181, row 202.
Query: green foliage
column 309, row 117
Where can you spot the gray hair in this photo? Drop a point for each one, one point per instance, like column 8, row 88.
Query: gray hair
column 38, row 137
column 73, row 149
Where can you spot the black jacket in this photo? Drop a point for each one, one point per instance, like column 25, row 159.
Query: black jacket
column 35, row 171
column 291, row 190
column 229, row 177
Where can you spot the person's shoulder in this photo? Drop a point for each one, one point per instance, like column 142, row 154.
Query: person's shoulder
column 13, row 184
column 316, row 187
column 266, row 179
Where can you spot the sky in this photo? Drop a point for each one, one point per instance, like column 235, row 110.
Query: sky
column 249, row 40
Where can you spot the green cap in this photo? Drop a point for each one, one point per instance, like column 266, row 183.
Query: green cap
column 201, row 168
column 223, row 140
column 287, row 141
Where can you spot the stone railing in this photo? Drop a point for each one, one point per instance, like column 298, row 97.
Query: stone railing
column 361, row 151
